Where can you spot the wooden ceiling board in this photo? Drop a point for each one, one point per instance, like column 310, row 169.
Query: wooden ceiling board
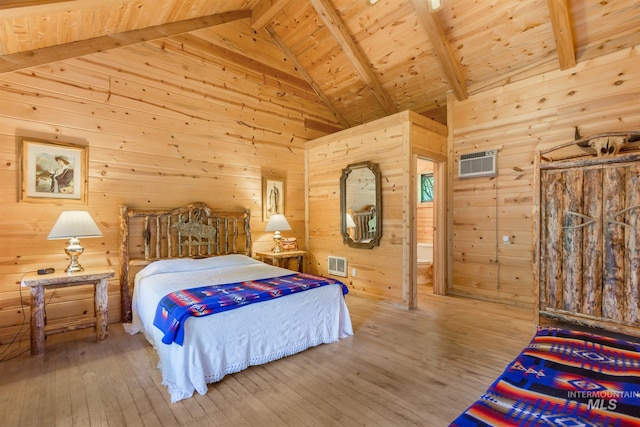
column 328, row 63
column 594, row 20
column 241, row 39
column 500, row 37
column 320, row 55
column 260, row 77
column 325, row 64
column 412, row 80
column 360, row 61
column 196, row 92
column 297, row 22
column 50, row 24
column 397, row 47
column 317, row 52
column 361, row 107
column 223, row 69
column 310, row 47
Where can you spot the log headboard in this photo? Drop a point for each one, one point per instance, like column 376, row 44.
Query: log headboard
column 194, row 230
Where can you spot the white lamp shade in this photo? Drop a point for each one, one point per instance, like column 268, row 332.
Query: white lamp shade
column 350, row 223
column 74, row 224
column 277, row 222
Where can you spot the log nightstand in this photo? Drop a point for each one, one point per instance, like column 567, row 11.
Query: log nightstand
column 281, row 259
column 90, row 276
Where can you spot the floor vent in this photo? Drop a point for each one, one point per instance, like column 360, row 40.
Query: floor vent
column 482, row 163
column 338, row 266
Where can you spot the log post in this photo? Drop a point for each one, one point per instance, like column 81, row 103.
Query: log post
column 102, row 313
column 613, row 301
column 37, row 320
column 572, row 241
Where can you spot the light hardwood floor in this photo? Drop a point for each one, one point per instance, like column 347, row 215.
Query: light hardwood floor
column 401, row 368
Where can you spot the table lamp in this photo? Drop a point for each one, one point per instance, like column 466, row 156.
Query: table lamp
column 276, row 223
column 72, row 225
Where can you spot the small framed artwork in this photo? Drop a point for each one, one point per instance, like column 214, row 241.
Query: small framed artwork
column 272, row 197
column 52, row 171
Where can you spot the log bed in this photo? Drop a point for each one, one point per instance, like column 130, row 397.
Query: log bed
column 207, row 307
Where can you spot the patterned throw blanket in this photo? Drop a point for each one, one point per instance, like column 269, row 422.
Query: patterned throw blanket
column 564, row 378
column 174, row 308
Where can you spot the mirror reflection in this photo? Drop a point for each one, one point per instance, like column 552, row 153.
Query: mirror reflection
column 360, row 200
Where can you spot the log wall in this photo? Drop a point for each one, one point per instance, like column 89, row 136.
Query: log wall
column 598, row 95
column 165, row 124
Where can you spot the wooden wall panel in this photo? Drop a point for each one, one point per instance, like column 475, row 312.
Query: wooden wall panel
column 379, row 270
column 162, row 129
column 517, row 119
column 384, row 271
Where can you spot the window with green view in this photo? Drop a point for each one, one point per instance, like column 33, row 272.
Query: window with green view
column 426, row 187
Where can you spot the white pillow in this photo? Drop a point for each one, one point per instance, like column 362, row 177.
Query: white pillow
column 191, row 264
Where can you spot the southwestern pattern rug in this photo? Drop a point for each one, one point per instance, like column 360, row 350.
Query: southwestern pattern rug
column 564, row 378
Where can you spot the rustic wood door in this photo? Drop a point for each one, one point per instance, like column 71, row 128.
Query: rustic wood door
column 590, row 242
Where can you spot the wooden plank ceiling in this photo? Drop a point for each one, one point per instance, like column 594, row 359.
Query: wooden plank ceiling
column 363, row 61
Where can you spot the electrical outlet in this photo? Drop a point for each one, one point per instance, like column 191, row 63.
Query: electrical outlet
column 354, row 272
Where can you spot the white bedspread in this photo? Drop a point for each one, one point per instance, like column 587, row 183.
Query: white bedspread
column 230, row 341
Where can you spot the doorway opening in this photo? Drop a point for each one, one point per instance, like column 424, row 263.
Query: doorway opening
column 425, row 226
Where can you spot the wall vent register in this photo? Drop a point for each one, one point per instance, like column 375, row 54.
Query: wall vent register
column 478, row 164
column 338, row 266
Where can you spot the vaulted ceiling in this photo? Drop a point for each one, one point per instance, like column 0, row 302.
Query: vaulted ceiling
column 363, row 61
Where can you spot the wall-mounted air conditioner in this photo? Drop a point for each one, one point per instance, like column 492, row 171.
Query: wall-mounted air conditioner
column 338, row 266
column 473, row 165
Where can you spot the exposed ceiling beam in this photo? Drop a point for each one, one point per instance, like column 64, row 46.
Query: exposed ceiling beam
column 294, row 60
column 265, row 12
column 442, row 48
column 359, row 60
column 562, row 32
column 32, row 58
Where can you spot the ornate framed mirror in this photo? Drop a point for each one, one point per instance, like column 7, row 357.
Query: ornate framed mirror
column 361, row 205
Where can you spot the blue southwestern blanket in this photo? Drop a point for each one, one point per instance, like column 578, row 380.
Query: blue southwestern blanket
column 564, row 378
column 173, row 309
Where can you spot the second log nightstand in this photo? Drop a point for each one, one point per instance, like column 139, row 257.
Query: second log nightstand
column 281, row 259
